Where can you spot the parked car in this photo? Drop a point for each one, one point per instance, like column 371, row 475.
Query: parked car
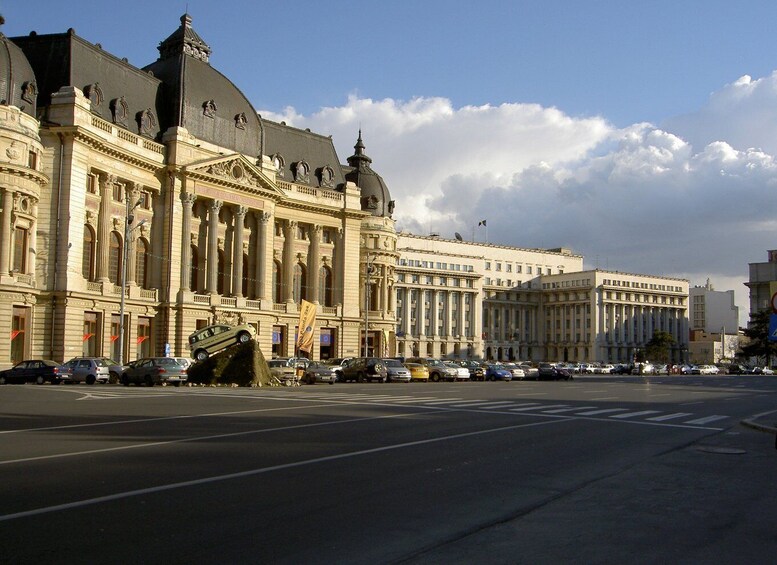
column 337, row 364
column 154, row 370
column 437, row 370
column 418, row 372
column 89, row 370
column 476, row 370
column 736, row 369
column 515, row 371
column 396, row 371
column 530, row 373
column 621, row 369
column 289, row 370
column 762, row 371
column 550, row 372
column 362, row 369
column 32, row 371
column 185, row 362
column 212, row 339
column 495, row 372
column 319, row 373
column 461, row 373
column 707, row 370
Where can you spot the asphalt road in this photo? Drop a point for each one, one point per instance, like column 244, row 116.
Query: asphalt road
column 596, row 470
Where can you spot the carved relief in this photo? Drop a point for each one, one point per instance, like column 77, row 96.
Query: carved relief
column 327, row 177
column 146, row 122
column 302, row 173
column 95, row 95
column 234, row 171
column 241, row 121
column 29, row 91
column 12, row 152
column 279, row 163
column 91, row 217
column 209, row 108
column 119, row 111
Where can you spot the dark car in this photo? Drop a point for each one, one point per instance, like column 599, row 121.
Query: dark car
column 736, row 369
column 319, row 373
column 363, row 369
column 550, row 372
column 32, row 371
column 496, row 372
column 154, row 370
column 476, row 370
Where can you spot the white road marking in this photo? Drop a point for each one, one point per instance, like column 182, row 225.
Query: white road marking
column 604, row 411
column 635, row 414
column 669, row 416
column 538, row 407
column 706, row 420
column 562, row 410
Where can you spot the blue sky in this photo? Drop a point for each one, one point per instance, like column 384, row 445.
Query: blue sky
column 640, row 134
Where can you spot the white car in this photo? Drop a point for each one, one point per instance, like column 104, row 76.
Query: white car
column 462, row 373
column 515, row 370
column 708, row 370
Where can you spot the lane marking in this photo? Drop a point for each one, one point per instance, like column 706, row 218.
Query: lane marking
column 635, row 414
column 538, row 407
column 562, row 410
column 259, row 471
column 706, row 420
column 604, row 411
column 670, row 416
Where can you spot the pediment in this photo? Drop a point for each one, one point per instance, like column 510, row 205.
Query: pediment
column 233, row 170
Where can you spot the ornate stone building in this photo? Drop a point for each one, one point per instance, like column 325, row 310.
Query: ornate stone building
column 159, row 192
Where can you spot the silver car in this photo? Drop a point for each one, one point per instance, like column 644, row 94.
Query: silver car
column 87, row 370
column 397, row 372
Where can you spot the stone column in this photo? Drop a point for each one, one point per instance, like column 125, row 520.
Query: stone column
column 32, row 255
column 237, row 250
column 262, row 221
column 5, row 232
column 187, row 199
column 314, row 264
column 288, row 261
column 212, row 260
column 104, row 226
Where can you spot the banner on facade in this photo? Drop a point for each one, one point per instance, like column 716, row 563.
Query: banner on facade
column 307, row 322
column 385, row 342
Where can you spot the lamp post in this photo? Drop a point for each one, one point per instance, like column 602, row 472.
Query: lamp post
column 128, row 219
column 367, row 293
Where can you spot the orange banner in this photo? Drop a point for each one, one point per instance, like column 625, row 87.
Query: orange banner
column 307, row 323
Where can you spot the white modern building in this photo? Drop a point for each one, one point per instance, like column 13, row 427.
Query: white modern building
column 713, row 311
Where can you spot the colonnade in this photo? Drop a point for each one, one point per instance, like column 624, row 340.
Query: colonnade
column 440, row 305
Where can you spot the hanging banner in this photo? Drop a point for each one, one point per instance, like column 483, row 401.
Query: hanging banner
column 307, row 322
column 385, row 343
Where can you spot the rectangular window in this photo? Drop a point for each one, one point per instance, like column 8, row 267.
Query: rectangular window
column 91, row 184
column 20, row 250
column 32, row 160
column 19, row 334
column 145, row 200
column 143, row 341
column 488, row 265
column 91, row 336
column 118, row 192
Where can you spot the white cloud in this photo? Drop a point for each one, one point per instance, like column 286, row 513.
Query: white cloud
column 691, row 199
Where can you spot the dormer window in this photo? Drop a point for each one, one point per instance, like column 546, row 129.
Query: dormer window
column 327, row 177
column 302, row 172
column 209, row 108
column 279, row 164
column 241, row 121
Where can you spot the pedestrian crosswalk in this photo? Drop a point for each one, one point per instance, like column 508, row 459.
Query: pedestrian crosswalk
column 614, row 413
column 603, row 411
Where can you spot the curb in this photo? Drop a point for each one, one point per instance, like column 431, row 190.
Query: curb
column 752, row 423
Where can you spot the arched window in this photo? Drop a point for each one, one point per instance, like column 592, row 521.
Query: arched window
column 114, row 259
column 87, row 261
column 194, row 279
column 300, row 283
column 277, row 282
column 141, row 262
column 325, row 286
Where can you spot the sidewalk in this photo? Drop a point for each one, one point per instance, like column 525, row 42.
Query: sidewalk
column 764, row 422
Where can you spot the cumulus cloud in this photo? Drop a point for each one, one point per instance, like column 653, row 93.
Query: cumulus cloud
column 693, row 198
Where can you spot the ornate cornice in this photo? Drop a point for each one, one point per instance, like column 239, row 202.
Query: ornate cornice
column 100, row 145
column 25, row 173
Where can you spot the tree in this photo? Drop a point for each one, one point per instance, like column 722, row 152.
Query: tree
column 758, row 345
column 657, row 349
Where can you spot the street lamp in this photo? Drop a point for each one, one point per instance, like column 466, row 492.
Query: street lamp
column 128, row 219
column 367, row 293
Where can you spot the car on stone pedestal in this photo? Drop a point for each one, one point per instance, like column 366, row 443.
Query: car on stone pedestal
column 212, row 339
